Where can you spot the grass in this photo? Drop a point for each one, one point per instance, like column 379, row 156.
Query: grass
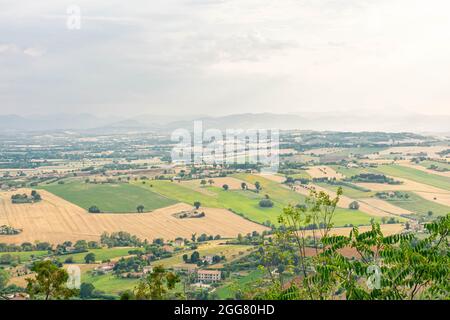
column 246, row 202
column 100, row 254
column 415, row 175
column 440, row 165
column 25, row 256
column 419, row 205
column 350, row 172
column 114, row 198
column 228, row 290
column 109, row 283
column 229, row 251
column 348, row 191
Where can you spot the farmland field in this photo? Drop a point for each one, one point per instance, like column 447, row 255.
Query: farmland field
column 415, row 175
column 238, row 282
column 247, row 202
column 348, row 191
column 420, row 205
column 114, row 198
column 100, row 254
column 25, row 256
column 56, row 220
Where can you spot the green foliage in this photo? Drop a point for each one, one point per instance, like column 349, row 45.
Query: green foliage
column 49, row 282
column 398, row 266
column 89, row 258
column 157, row 285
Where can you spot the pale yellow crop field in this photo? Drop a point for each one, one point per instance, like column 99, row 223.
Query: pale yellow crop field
column 56, row 220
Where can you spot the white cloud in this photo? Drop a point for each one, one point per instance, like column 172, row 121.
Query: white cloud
column 242, row 55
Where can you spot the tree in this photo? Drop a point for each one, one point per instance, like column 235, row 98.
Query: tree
column 354, row 205
column 81, row 245
column 156, row 285
column 49, row 282
column 225, row 187
column 243, row 186
column 195, row 257
column 4, row 278
column 266, row 203
column 211, row 182
column 140, row 208
column 94, row 209
column 89, row 258
column 86, row 290
column 197, row 204
column 257, row 186
column 185, row 258
column 203, row 182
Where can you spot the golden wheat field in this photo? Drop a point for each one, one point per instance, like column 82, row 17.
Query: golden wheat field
column 56, row 220
column 324, row 172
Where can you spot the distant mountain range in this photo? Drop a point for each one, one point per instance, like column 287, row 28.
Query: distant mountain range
column 309, row 121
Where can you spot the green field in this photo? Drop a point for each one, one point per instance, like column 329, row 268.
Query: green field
column 246, row 202
column 440, row 165
column 421, row 206
column 348, row 191
column 100, row 254
column 228, row 290
column 350, row 172
column 415, row 175
column 26, row 255
column 114, row 198
column 109, row 283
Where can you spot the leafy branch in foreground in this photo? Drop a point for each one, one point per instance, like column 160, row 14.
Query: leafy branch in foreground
column 49, row 282
column 362, row 265
column 156, row 286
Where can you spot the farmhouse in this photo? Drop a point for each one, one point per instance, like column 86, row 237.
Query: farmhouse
column 209, row 275
column 208, row 259
column 106, row 267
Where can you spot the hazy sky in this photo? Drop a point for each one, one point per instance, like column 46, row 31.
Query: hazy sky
column 225, row 56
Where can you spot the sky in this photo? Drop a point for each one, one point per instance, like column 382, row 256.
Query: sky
column 218, row 57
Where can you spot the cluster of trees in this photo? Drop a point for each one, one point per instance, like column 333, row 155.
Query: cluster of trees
column 26, row 246
column 131, row 264
column 204, row 237
column 7, row 230
column 393, row 195
column 24, row 198
column 374, row 178
column 120, row 239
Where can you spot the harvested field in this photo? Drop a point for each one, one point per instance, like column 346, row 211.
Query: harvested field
column 441, row 198
column 387, row 229
column 407, row 185
column 385, row 206
column 55, row 220
column 417, row 167
column 322, row 151
column 324, row 172
column 430, row 151
column 273, row 177
column 345, row 201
